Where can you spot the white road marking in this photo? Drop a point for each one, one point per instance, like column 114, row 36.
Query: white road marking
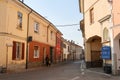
column 100, row 73
column 75, row 78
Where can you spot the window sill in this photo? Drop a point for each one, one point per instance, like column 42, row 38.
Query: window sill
column 36, row 57
column 18, row 59
column 36, row 32
column 19, row 28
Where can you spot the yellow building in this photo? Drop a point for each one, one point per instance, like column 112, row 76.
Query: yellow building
column 25, row 36
column 13, row 33
column 43, row 42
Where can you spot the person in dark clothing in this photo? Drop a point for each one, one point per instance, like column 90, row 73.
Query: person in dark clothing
column 47, row 61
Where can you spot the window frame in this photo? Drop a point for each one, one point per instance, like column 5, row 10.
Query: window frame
column 91, row 15
column 18, row 50
column 51, row 35
column 36, row 27
column 20, row 19
column 36, row 54
column 105, row 34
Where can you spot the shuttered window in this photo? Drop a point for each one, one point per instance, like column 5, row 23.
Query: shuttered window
column 18, row 51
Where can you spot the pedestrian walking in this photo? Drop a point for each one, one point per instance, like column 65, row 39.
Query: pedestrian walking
column 47, row 61
column 82, row 64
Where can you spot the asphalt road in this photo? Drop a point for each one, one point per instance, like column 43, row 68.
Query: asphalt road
column 66, row 71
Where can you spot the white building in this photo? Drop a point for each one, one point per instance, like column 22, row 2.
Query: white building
column 66, row 49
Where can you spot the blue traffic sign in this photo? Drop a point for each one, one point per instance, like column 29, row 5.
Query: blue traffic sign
column 106, row 52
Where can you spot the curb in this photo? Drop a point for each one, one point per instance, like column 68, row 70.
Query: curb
column 101, row 73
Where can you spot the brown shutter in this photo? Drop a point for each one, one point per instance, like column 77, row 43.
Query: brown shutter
column 14, row 51
column 23, row 46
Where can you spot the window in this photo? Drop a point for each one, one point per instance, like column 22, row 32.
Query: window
column 51, row 35
column 68, row 48
column 64, row 45
column 20, row 16
column 18, row 51
column 36, row 27
column 36, row 52
column 105, row 34
column 91, row 16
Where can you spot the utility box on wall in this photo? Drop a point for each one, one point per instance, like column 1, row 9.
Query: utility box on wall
column 29, row 38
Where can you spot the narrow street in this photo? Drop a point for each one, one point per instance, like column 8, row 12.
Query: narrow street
column 66, row 71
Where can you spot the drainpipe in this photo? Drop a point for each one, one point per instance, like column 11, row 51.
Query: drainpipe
column 113, row 55
column 27, row 39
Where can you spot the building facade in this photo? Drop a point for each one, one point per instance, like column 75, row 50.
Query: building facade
column 58, row 49
column 79, row 52
column 43, row 34
column 26, row 37
column 98, row 27
column 13, row 34
column 66, row 49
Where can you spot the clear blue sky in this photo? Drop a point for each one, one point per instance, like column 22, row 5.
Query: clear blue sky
column 60, row 12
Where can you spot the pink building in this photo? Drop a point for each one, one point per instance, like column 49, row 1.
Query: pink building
column 101, row 28
column 115, row 30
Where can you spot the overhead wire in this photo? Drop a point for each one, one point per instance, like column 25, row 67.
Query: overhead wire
column 67, row 25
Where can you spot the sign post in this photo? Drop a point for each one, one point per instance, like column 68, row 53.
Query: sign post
column 106, row 55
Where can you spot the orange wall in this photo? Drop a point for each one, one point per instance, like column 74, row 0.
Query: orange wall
column 41, row 55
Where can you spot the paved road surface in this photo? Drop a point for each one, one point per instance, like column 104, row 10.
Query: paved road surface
column 68, row 71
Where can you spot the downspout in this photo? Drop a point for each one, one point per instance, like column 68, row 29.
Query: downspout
column 27, row 39
column 113, row 56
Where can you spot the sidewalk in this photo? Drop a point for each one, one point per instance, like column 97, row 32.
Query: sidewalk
column 98, row 71
column 97, row 74
column 36, row 68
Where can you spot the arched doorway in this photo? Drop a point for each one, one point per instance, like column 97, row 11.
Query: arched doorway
column 95, row 51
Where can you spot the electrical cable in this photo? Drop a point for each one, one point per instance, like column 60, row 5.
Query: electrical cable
column 67, row 25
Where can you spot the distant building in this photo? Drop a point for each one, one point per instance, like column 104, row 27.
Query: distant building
column 79, row 52
column 66, row 49
column 74, row 51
